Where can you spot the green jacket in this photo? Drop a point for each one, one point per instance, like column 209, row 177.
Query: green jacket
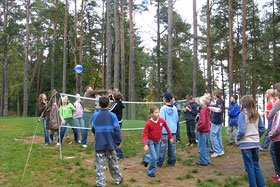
column 66, row 111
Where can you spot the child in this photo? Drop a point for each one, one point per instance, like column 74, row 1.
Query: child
column 233, row 112
column 178, row 106
column 250, row 128
column 270, row 94
column 78, row 115
column 169, row 113
column 202, row 130
column 117, row 108
column 66, row 115
column 105, row 126
column 151, row 138
column 216, row 125
column 190, row 115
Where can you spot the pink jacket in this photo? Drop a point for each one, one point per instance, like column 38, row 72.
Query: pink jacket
column 274, row 133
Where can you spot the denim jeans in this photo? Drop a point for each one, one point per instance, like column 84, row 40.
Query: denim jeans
column 154, row 148
column 273, row 157
column 251, row 163
column 191, row 131
column 171, row 160
column 203, row 147
column 79, row 123
column 216, row 138
column 178, row 136
column 119, row 151
column 231, row 133
column 266, row 140
column 46, row 133
column 63, row 129
column 87, row 123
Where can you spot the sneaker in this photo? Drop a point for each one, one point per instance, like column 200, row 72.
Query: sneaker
column 221, row 153
column 84, row 146
column 46, row 144
column 189, row 144
column 146, row 164
column 230, row 143
column 264, row 150
column 117, row 183
column 118, row 158
column 79, row 141
column 277, row 181
column 214, row 155
column 67, row 137
column 58, row 144
column 275, row 176
column 198, row 163
column 211, row 151
column 152, row 175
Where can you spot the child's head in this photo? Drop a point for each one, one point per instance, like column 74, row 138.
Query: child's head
column 78, row 97
column 88, row 88
column 116, row 90
column 204, row 101
column 104, row 101
column 208, row 95
column 247, row 102
column 270, row 93
column 277, row 89
column 117, row 96
column 65, row 99
column 233, row 98
column 42, row 98
column 218, row 94
column 189, row 98
column 174, row 99
column 154, row 112
column 167, row 97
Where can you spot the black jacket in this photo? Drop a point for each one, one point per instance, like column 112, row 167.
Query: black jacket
column 117, row 108
column 191, row 115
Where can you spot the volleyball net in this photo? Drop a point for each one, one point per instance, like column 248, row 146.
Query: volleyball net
column 135, row 114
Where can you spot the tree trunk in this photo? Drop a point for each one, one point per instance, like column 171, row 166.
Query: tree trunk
column 5, row 85
column 169, row 63
column 103, row 45
column 117, row 45
column 53, row 48
column 108, row 46
column 80, row 78
column 230, row 49
column 25, row 79
column 244, row 48
column 195, row 40
column 65, row 48
column 158, row 50
column 76, row 46
column 254, row 82
column 131, row 61
column 274, row 44
column 122, row 50
column 208, row 49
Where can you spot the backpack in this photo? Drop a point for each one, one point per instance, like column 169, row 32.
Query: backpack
column 274, row 133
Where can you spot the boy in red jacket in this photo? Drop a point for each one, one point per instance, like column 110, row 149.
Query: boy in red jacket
column 202, row 130
column 151, row 138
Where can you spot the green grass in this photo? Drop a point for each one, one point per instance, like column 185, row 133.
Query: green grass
column 155, row 181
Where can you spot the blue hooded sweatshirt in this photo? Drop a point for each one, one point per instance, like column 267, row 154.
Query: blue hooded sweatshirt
column 170, row 115
column 233, row 112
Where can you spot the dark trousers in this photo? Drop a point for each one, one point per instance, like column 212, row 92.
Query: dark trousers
column 191, row 131
column 277, row 152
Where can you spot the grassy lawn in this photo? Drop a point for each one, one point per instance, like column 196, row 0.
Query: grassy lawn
column 45, row 168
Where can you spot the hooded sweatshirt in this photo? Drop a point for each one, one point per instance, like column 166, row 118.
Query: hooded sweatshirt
column 170, row 115
column 117, row 108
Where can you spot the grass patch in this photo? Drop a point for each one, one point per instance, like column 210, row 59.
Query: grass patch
column 187, row 176
column 132, row 180
column 194, row 171
column 155, row 181
column 187, row 162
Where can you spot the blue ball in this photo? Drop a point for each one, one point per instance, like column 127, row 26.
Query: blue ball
column 78, row 68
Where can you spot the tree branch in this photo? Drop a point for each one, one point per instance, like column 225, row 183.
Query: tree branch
column 2, row 64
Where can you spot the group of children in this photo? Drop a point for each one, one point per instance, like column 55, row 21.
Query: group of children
column 245, row 128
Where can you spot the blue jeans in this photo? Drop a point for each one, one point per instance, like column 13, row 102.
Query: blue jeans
column 273, row 157
column 171, row 160
column 203, row 147
column 216, row 138
column 46, row 133
column 266, row 140
column 191, row 131
column 87, row 123
column 251, row 163
column 120, row 151
column 178, row 136
column 154, row 148
column 63, row 129
column 79, row 123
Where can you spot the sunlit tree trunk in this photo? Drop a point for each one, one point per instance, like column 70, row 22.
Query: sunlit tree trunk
column 254, row 81
column 244, row 48
column 208, row 49
column 80, row 78
column 117, row 45
column 103, row 45
column 53, row 47
column 122, row 49
column 274, row 43
column 25, row 79
column 108, row 46
column 76, row 46
column 65, row 48
column 195, row 39
column 230, row 49
column 158, row 49
column 170, row 41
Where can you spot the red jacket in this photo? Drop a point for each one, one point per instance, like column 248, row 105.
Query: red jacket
column 204, row 120
column 153, row 130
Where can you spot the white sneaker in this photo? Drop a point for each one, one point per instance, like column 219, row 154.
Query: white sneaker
column 221, row 153
column 214, row 155
column 58, row 144
column 84, row 146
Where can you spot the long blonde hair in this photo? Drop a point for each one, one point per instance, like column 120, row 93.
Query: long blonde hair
column 247, row 102
column 40, row 99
